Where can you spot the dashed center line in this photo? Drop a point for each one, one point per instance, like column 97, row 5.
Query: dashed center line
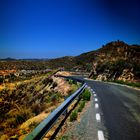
column 98, row 117
column 96, row 106
column 100, row 135
column 96, row 99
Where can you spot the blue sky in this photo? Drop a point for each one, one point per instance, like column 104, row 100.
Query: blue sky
column 55, row 28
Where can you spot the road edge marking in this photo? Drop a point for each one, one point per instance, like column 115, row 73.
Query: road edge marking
column 96, row 105
column 96, row 99
column 98, row 117
column 100, row 135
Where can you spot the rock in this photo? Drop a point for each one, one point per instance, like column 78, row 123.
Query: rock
column 101, row 77
column 126, row 75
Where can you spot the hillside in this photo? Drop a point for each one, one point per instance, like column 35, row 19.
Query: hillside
column 114, row 61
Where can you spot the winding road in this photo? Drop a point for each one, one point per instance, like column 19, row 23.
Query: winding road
column 118, row 116
column 121, row 110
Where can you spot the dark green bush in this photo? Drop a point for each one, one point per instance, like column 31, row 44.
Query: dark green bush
column 72, row 82
column 1, row 80
column 73, row 116
column 82, row 105
column 64, row 138
column 86, row 95
column 47, row 81
column 54, row 85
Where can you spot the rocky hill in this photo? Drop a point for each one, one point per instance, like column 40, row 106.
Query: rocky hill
column 114, row 61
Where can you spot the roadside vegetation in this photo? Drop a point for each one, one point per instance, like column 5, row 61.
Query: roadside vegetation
column 74, row 86
column 85, row 97
column 27, row 100
column 76, row 113
column 73, row 115
column 132, row 84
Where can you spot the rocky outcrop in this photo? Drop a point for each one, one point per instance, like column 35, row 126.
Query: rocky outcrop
column 117, row 57
column 117, row 61
column 127, row 75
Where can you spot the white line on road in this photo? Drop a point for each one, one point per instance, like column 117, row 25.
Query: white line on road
column 96, row 105
column 100, row 135
column 96, row 99
column 89, row 88
column 98, row 117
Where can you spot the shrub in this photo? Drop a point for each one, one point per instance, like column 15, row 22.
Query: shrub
column 1, row 80
column 73, row 116
column 73, row 89
column 16, row 117
column 86, row 95
column 72, row 82
column 82, row 105
column 37, row 108
column 54, row 98
column 33, row 125
column 64, row 138
column 54, row 85
column 47, row 81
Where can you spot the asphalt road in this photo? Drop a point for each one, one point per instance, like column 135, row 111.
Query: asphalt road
column 120, row 107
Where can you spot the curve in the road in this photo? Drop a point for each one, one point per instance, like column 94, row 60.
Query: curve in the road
column 121, row 110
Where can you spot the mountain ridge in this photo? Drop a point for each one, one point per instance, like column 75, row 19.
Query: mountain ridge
column 115, row 60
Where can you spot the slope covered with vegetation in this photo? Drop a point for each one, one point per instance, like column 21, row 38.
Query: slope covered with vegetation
column 28, row 102
column 114, row 61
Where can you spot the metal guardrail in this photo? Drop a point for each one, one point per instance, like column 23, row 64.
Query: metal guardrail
column 43, row 128
column 71, row 78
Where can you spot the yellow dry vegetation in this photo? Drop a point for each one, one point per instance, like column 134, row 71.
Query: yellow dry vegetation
column 62, row 86
column 2, row 87
column 64, row 73
column 26, row 126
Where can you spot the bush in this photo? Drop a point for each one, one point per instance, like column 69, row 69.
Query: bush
column 16, row 117
column 73, row 89
column 82, row 105
column 64, row 138
column 55, row 97
column 37, row 108
column 73, row 116
column 47, row 81
column 54, row 85
column 86, row 95
column 1, row 80
column 72, row 82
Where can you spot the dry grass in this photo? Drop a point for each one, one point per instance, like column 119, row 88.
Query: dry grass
column 25, row 105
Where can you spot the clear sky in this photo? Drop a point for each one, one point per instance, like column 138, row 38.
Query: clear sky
column 54, row 28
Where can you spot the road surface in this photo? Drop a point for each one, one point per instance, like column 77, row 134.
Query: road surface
column 120, row 106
